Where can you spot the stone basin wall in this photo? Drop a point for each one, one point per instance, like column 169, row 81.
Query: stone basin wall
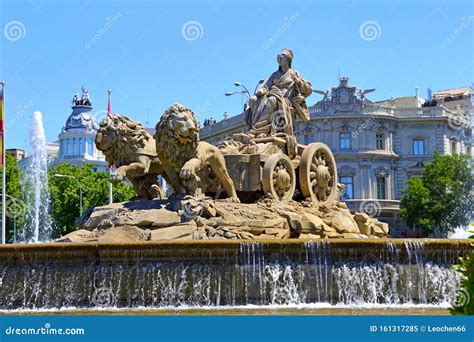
column 229, row 273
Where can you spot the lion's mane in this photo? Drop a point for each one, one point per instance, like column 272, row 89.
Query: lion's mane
column 132, row 137
column 167, row 142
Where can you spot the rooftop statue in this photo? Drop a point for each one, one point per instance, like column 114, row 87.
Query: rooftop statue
column 277, row 101
column 343, row 98
column 75, row 100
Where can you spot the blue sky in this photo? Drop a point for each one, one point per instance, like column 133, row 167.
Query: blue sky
column 143, row 52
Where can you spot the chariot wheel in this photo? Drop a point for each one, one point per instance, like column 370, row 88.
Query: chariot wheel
column 279, row 177
column 318, row 174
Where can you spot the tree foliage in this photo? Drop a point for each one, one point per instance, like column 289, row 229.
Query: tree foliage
column 15, row 206
column 441, row 199
column 65, row 194
column 464, row 304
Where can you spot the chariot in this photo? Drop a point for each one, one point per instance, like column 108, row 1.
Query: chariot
column 261, row 167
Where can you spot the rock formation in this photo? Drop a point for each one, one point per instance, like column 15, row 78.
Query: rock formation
column 208, row 219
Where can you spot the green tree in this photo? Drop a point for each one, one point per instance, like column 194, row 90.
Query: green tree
column 65, row 194
column 464, row 304
column 442, row 198
column 15, row 206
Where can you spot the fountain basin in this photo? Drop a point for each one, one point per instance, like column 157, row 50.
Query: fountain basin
column 217, row 275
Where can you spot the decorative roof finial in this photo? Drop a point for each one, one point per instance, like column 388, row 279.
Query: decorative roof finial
column 109, row 105
column 343, row 80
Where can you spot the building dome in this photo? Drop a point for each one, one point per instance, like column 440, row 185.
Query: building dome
column 81, row 116
column 76, row 140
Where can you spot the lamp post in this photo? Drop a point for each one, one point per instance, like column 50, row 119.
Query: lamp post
column 109, row 112
column 258, row 84
column 244, row 90
column 14, row 217
column 80, row 189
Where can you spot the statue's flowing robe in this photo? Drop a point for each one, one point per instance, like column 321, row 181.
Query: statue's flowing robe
column 281, row 89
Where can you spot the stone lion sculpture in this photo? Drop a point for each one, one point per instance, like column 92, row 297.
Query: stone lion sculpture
column 131, row 148
column 189, row 163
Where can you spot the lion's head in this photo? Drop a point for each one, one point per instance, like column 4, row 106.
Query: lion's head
column 177, row 135
column 118, row 137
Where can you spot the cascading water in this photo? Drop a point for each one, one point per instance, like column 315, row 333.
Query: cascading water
column 460, row 233
column 38, row 224
column 252, row 274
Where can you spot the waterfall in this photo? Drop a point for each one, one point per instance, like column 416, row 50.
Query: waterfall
column 38, row 226
column 248, row 274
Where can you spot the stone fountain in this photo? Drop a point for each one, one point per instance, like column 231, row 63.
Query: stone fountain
column 38, row 225
column 253, row 222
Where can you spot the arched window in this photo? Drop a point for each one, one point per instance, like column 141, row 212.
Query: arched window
column 381, row 179
column 454, row 147
column 381, row 187
column 69, row 147
column 81, row 146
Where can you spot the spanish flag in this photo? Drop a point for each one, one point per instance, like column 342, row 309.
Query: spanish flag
column 2, row 132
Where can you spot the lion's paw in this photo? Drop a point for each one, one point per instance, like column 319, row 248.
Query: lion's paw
column 233, row 199
column 187, row 173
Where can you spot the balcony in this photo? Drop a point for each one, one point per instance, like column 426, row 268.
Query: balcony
column 373, row 207
column 373, row 109
column 233, row 124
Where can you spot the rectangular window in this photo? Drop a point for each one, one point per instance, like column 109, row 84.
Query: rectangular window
column 381, row 187
column 348, row 192
column 345, row 141
column 380, row 141
column 418, row 147
column 90, row 146
column 74, row 147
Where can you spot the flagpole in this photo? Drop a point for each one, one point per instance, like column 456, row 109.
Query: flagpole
column 109, row 111
column 4, row 173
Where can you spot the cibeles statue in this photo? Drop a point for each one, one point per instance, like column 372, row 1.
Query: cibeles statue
column 271, row 110
column 273, row 187
column 126, row 144
column 188, row 162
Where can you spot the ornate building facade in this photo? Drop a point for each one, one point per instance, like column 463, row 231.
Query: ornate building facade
column 76, row 140
column 377, row 146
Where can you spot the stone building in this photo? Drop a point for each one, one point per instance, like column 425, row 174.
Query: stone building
column 76, row 140
column 377, row 145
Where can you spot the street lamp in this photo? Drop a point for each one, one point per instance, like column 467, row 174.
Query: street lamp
column 80, row 189
column 14, row 218
column 258, row 84
column 242, row 92
column 245, row 90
